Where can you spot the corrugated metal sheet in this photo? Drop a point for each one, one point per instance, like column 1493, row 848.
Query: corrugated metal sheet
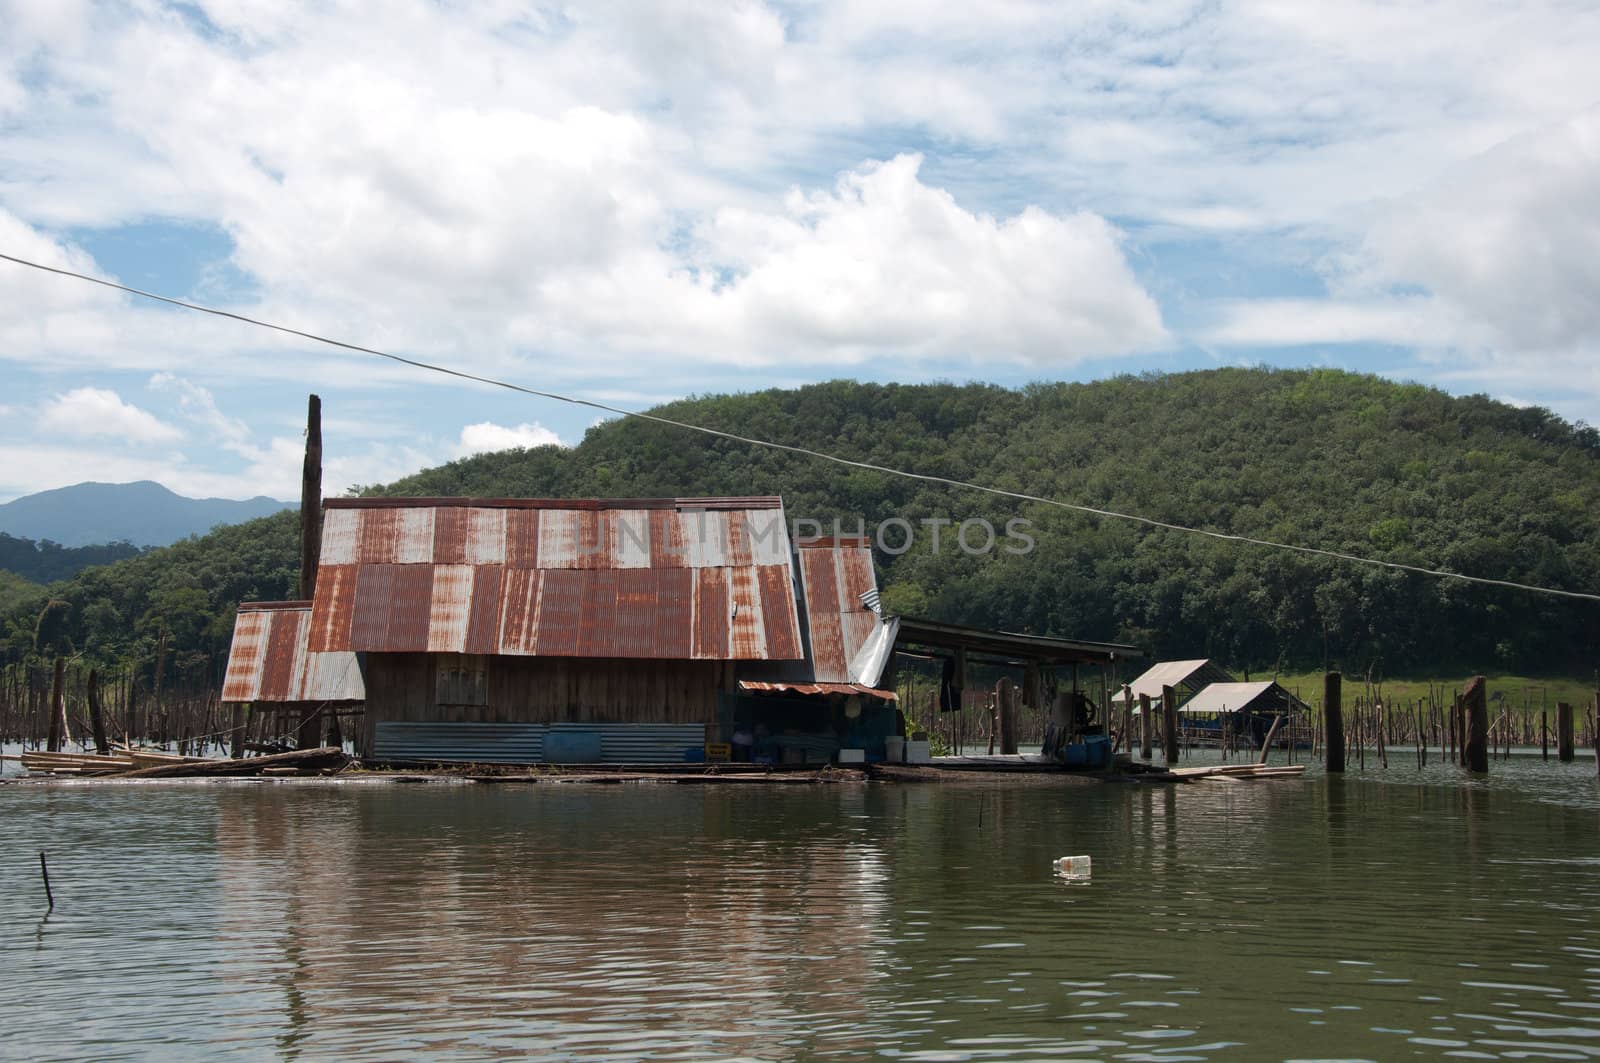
column 269, row 660
column 1193, row 675
column 817, row 688
column 835, row 575
column 1233, row 697
column 524, row 743
column 455, row 743
column 706, row 579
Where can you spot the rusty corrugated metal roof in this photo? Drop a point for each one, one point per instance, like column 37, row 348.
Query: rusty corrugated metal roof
column 835, row 573
column 269, row 660
column 703, row 578
column 758, row 687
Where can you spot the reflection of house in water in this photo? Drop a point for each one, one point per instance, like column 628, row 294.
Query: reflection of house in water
column 567, row 917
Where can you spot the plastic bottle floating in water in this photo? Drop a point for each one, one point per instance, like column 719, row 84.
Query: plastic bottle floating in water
column 1072, row 867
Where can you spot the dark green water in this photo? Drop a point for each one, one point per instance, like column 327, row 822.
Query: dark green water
column 1393, row 916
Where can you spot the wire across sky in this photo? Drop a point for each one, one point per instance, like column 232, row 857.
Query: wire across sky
column 807, row 452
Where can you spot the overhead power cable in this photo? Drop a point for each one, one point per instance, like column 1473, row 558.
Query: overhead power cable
column 806, row 451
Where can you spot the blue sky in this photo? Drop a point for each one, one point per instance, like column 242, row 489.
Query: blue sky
column 638, row 202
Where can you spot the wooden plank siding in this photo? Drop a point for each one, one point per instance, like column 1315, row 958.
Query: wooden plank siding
column 402, row 687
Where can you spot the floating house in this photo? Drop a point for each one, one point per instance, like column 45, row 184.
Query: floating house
column 1249, row 708
column 631, row 631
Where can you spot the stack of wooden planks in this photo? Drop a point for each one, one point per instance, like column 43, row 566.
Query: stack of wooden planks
column 1236, row 772
column 128, row 762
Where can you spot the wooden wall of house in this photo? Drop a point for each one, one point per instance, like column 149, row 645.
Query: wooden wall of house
column 405, row 686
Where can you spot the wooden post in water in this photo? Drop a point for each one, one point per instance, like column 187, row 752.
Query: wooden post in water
column 1564, row 751
column 1333, row 721
column 97, row 716
column 1006, row 700
column 1147, row 728
column 58, row 707
column 1544, row 733
column 1127, row 715
column 1169, row 722
column 1475, row 703
column 236, row 735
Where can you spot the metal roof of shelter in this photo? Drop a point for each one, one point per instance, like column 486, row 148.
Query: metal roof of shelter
column 1190, row 676
column 677, row 578
column 1241, row 697
column 1043, row 649
column 268, row 660
column 837, row 577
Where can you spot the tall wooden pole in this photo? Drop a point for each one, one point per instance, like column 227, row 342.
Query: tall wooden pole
column 97, row 716
column 1475, row 700
column 1147, row 728
column 1006, row 698
column 1564, row 751
column 1127, row 716
column 58, row 707
column 1333, row 721
column 311, row 501
column 1169, row 721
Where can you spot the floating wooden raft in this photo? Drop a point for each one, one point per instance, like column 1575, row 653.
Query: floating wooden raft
column 150, row 764
column 1234, row 772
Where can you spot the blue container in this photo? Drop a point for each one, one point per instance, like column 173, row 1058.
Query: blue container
column 1091, row 754
column 572, row 747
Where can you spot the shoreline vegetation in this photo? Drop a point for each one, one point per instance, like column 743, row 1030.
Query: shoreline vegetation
column 1323, row 458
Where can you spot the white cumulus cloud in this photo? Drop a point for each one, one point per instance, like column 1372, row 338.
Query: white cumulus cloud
column 486, row 437
column 99, row 412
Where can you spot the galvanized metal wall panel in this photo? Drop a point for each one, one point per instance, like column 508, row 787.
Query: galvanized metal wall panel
column 769, row 536
column 597, row 619
column 413, row 536
column 710, row 614
column 269, row 660
column 820, row 575
column 456, row 743
column 328, row 677
column 634, row 629
column 778, row 612
column 486, row 536
column 379, row 532
column 409, row 575
column 245, row 656
column 334, row 608
column 483, row 622
column 519, row 618
column 522, row 529
column 341, row 534
column 667, row 549
column 410, row 608
column 451, row 605
column 450, row 536
column 630, row 545
column 560, row 612
column 277, row 670
column 747, row 638
column 674, row 617
column 558, row 539
column 369, row 622
column 524, row 743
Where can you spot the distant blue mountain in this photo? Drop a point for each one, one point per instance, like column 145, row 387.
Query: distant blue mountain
column 143, row 513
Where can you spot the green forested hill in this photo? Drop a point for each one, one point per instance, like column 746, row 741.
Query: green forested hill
column 1321, row 458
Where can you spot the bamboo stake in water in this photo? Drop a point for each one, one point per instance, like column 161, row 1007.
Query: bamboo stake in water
column 44, row 870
